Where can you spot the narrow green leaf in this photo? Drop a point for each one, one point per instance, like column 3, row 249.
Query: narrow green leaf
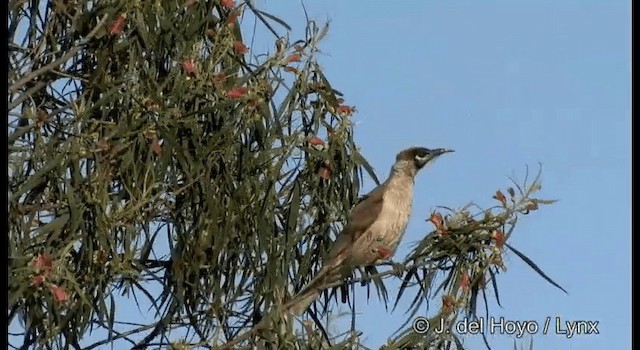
column 407, row 278
column 359, row 159
column 323, row 32
column 294, row 208
column 274, row 18
column 111, row 317
column 535, row 267
column 55, row 225
column 379, row 284
column 39, row 177
column 494, row 284
column 545, row 201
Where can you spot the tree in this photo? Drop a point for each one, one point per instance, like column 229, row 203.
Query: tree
column 151, row 159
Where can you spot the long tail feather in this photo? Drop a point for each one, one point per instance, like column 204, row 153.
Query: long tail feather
column 301, row 303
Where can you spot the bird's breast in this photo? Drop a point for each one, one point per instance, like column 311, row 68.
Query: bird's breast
column 394, row 216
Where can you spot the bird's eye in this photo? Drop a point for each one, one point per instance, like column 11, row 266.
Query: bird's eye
column 421, row 158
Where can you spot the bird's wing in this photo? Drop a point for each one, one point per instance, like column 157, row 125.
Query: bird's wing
column 361, row 218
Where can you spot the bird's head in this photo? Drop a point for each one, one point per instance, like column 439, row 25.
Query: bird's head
column 411, row 160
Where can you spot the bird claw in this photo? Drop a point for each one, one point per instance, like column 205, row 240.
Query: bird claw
column 397, row 268
column 384, row 253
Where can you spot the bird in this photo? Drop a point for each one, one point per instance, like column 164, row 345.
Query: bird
column 374, row 228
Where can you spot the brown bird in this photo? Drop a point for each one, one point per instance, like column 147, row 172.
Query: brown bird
column 375, row 227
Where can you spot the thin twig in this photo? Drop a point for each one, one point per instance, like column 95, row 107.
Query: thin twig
column 261, row 325
column 15, row 87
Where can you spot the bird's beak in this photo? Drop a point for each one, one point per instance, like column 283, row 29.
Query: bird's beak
column 435, row 153
column 440, row 151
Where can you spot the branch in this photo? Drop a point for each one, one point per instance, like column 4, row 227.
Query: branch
column 15, row 87
column 397, row 267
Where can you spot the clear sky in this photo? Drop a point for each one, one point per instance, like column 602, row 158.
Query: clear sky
column 506, row 84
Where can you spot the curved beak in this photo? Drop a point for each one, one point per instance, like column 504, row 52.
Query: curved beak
column 439, row 151
column 433, row 154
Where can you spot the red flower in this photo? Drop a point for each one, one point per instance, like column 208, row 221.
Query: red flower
column 499, row 237
column 438, row 222
column 465, row 281
column 316, row 141
column 37, row 280
column 237, row 92
column 500, row 197
column 448, row 303
column 43, row 262
column 291, row 69
column 227, row 3
column 240, row 48
column 59, row 293
column 345, row 110
column 118, row 24
column 325, row 170
column 325, row 173
column 156, row 148
column 436, row 219
column 233, row 16
column 293, row 58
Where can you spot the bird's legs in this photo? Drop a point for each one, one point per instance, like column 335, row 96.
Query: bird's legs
column 384, row 253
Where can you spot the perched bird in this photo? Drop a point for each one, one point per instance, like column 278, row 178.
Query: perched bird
column 374, row 229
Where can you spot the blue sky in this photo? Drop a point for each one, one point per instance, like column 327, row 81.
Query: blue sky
column 506, row 84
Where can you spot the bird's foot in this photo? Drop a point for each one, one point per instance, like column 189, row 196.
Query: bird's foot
column 397, row 268
column 384, row 253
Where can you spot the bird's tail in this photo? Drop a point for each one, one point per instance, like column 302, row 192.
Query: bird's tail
column 300, row 303
column 330, row 272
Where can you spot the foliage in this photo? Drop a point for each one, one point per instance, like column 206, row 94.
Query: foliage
column 154, row 157
column 466, row 250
